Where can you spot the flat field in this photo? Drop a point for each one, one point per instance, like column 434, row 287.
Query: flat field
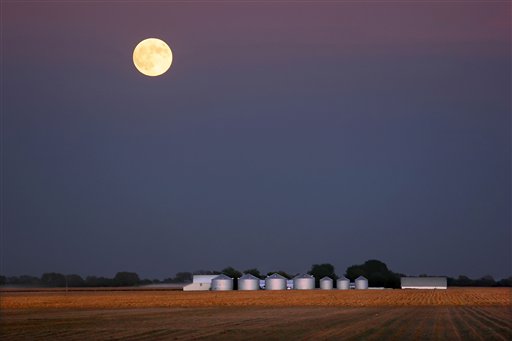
column 453, row 314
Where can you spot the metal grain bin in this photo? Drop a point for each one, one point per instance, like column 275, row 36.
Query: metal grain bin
column 326, row 283
column 304, row 282
column 275, row 282
column 248, row 282
column 343, row 283
column 361, row 283
column 222, row 283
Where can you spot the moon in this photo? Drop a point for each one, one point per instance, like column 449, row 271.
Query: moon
column 152, row 57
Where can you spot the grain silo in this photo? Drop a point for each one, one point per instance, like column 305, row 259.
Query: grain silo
column 304, row 282
column 248, row 282
column 222, row 283
column 343, row 283
column 275, row 282
column 326, row 283
column 361, row 283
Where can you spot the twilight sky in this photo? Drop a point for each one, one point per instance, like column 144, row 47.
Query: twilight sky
column 284, row 134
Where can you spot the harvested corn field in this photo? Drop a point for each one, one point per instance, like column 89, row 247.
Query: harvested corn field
column 290, row 298
column 453, row 314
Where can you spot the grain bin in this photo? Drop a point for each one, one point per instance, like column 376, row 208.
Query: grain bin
column 326, row 283
column 361, row 283
column 248, row 282
column 275, row 282
column 303, row 282
column 343, row 283
column 222, row 283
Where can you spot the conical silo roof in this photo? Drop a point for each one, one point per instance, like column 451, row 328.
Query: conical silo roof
column 222, row 276
column 326, row 278
column 248, row 282
column 276, row 275
column 343, row 283
column 249, row 276
column 303, row 276
column 361, row 278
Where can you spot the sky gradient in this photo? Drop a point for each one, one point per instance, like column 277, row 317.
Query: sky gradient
column 284, row 134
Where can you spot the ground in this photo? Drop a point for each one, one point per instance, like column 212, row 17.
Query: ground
column 453, row 314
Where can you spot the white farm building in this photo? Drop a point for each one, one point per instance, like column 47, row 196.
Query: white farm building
column 423, row 282
column 200, row 283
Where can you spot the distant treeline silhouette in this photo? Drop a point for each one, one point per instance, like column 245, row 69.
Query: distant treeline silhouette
column 375, row 271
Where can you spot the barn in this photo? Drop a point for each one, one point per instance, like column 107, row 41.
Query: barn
column 423, row 282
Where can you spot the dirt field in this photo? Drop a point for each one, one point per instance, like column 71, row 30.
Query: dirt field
column 453, row 314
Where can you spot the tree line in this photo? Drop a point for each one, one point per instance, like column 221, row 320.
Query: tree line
column 54, row 279
column 377, row 273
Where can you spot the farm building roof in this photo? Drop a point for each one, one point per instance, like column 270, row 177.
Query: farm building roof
column 423, row 282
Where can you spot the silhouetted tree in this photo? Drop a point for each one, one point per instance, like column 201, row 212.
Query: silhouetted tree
column 322, row 270
column 282, row 273
column 53, row 279
column 486, row 281
column 75, row 280
column 461, row 281
column 183, row 277
column 23, row 280
column 3, row 280
column 505, row 282
column 93, row 281
column 206, row 272
column 255, row 272
column 231, row 272
column 126, row 279
column 376, row 272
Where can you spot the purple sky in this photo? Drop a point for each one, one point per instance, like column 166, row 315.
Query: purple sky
column 284, row 134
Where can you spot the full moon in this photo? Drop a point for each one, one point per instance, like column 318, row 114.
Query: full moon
column 152, row 57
